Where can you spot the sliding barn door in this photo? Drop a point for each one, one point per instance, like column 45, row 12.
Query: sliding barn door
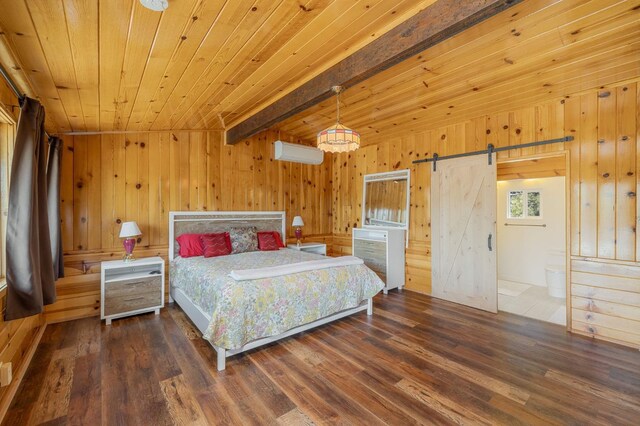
column 463, row 221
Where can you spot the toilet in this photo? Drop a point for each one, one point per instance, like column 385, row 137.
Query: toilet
column 556, row 274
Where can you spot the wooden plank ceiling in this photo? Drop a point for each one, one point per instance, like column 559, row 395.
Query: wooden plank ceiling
column 210, row 64
column 535, row 51
column 438, row 22
column 114, row 65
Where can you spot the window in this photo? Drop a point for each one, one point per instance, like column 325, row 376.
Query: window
column 7, row 136
column 524, row 204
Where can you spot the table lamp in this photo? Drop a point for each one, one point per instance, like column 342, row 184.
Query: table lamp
column 298, row 223
column 129, row 231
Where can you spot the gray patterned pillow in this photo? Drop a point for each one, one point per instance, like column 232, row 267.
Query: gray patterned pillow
column 244, row 239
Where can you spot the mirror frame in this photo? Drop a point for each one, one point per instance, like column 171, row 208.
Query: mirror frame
column 375, row 177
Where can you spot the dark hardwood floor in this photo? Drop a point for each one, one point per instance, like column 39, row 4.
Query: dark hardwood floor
column 417, row 360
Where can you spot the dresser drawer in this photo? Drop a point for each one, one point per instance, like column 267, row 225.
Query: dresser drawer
column 131, row 295
column 382, row 275
column 370, row 246
column 373, row 253
column 374, row 265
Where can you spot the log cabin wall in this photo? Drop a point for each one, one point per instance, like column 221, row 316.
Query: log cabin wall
column 111, row 178
column 18, row 338
column 603, row 183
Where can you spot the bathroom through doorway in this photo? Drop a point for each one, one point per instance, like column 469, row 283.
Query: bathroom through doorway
column 532, row 237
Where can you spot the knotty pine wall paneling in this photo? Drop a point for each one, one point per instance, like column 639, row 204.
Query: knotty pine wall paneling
column 112, row 178
column 602, row 198
column 143, row 176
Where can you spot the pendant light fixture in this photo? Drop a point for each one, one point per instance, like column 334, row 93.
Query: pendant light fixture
column 338, row 138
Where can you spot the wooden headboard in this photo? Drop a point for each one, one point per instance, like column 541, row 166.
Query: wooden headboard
column 203, row 222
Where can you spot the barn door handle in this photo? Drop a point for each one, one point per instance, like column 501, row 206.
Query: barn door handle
column 489, row 242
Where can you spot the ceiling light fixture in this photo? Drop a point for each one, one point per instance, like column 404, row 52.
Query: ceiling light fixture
column 157, row 5
column 338, row 138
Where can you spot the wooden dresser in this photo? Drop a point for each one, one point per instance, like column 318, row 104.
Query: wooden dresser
column 129, row 288
column 383, row 251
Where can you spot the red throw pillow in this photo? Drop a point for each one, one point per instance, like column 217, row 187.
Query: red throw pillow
column 227, row 238
column 190, row 245
column 275, row 234
column 267, row 241
column 216, row 244
column 278, row 239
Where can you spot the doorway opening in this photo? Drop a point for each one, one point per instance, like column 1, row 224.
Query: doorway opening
column 532, row 237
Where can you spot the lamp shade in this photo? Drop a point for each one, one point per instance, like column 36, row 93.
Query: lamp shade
column 297, row 221
column 338, row 138
column 129, row 229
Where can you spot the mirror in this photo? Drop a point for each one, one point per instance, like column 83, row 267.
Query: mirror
column 386, row 199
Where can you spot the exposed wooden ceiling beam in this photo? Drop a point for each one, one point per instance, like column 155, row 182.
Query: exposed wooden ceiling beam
column 436, row 23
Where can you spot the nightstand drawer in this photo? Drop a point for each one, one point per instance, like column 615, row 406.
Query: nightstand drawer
column 131, row 295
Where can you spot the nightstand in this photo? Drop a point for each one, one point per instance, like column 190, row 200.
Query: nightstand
column 317, row 248
column 130, row 288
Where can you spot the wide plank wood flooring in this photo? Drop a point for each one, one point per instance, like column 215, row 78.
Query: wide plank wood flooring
column 416, row 361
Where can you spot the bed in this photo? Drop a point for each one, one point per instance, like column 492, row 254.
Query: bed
column 239, row 315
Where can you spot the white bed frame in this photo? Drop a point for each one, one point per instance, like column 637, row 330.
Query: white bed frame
column 200, row 318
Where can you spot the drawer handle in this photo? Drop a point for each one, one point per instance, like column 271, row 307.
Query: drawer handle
column 134, row 298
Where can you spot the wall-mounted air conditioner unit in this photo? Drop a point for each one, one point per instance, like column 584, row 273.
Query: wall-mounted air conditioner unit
column 297, row 153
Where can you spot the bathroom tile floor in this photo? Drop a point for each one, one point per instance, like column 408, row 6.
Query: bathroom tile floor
column 531, row 301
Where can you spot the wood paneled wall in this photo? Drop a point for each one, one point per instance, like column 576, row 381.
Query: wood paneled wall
column 111, row 178
column 603, row 177
column 545, row 121
column 141, row 177
column 18, row 338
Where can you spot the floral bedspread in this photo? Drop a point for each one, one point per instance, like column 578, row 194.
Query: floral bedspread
column 242, row 311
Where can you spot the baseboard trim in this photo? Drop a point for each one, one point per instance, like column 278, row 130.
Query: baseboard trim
column 19, row 375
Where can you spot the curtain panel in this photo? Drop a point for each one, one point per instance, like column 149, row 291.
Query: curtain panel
column 30, row 270
column 53, row 205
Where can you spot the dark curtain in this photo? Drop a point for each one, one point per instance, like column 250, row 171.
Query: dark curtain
column 30, row 276
column 53, row 205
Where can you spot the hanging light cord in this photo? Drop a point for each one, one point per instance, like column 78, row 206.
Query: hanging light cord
column 338, row 105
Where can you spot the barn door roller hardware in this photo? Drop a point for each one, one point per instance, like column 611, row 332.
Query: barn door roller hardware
column 490, row 150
